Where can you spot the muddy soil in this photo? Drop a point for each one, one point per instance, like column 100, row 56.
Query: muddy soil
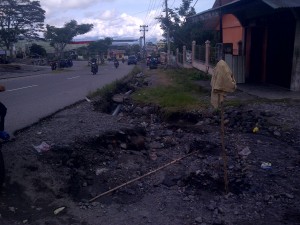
column 90, row 152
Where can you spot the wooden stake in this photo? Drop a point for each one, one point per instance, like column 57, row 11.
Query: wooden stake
column 224, row 154
column 138, row 178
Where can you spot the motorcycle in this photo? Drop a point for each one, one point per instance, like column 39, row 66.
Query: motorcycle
column 153, row 63
column 94, row 68
column 53, row 65
column 116, row 63
column 69, row 62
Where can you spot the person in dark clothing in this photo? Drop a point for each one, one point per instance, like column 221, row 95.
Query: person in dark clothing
column 3, row 135
column 3, row 111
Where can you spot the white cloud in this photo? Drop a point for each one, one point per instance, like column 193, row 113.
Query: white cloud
column 111, row 18
column 111, row 26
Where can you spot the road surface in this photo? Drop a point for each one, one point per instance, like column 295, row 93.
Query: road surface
column 30, row 98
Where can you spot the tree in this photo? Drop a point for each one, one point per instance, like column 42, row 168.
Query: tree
column 37, row 49
column 100, row 47
column 181, row 32
column 19, row 18
column 134, row 49
column 59, row 37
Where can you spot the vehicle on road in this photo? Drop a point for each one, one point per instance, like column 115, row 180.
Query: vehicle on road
column 132, row 60
column 53, row 65
column 94, row 68
column 116, row 63
column 153, row 63
column 65, row 63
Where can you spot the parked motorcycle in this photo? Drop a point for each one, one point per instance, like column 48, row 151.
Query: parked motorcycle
column 116, row 63
column 94, row 68
column 69, row 63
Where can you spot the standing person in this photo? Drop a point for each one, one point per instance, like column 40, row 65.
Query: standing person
column 3, row 135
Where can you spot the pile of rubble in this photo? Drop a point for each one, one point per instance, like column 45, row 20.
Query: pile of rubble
column 161, row 171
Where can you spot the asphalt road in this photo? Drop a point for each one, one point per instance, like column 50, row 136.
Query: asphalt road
column 30, row 98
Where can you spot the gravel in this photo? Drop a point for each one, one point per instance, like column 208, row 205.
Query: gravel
column 92, row 152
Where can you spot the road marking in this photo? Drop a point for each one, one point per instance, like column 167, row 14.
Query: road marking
column 16, row 89
column 70, row 78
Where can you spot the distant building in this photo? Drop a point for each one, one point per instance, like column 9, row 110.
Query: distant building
column 161, row 44
column 151, row 48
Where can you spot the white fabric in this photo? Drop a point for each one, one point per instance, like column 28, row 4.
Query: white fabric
column 222, row 82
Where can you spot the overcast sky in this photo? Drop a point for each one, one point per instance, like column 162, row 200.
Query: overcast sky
column 113, row 18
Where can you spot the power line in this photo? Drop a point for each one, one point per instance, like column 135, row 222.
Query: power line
column 195, row 3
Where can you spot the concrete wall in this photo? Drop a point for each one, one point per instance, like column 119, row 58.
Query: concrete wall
column 232, row 31
column 201, row 66
column 295, row 79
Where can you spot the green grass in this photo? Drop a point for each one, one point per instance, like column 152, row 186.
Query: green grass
column 165, row 97
column 189, row 74
column 181, row 95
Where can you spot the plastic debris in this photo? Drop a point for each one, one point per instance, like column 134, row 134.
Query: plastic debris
column 266, row 165
column 4, row 135
column 245, row 152
column 255, row 130
column 56, row 211
column 43, row 147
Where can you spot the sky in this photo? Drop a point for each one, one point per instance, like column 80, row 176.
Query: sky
column 114, row 18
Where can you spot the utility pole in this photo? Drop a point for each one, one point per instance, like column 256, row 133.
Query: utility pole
column 221, row 22
column 168, row 33
column 144, row 28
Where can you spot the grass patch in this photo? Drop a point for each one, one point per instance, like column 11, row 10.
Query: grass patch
column 180, row 94
column 191, row 74
column 165, row 97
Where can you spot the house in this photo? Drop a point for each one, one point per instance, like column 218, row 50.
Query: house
column 263, row 34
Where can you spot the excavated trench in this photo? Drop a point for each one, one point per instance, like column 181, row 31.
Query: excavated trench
column 114, row 158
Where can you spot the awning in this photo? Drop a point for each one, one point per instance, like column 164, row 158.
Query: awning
column 243, row 10
column 275, row 4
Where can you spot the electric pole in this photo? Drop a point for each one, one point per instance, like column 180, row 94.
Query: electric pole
column 168, row 33
column 144, row 28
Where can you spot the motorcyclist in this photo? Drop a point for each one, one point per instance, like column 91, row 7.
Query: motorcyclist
column 93, row 60
column 116, row 63
column 94, row 65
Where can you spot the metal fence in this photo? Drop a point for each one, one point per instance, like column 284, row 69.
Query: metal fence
column 200, row 53
column 180, row 58
column 216, row 54
column 188, row 56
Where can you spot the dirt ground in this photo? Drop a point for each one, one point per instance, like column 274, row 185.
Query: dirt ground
column 88, row 152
